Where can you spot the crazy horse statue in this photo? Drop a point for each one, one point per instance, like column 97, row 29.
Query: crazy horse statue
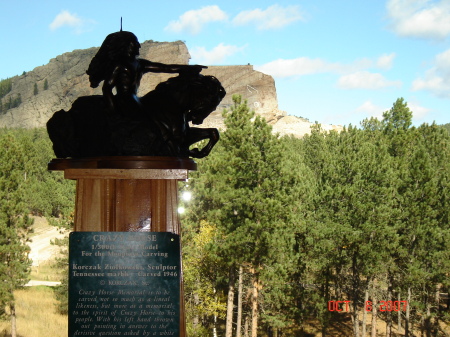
column 119, row 123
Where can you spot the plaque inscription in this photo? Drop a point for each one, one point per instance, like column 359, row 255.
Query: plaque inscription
column 124, row 284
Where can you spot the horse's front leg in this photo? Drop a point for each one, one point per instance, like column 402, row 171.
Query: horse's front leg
column 195, row 135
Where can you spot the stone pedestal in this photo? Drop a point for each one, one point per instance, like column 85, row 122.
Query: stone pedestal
column 123, row 194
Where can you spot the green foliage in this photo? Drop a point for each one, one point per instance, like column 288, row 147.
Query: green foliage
column 255, row 215
column 35, row 89
column 399, row 117
column 327, row 217
column 62, row 264
column 446, row 127
column 381, row 210
column 45, row 84
column 201, row 270
column 10, row 103
column 26, row 186
column 5, row 87
column 14, row 221
column 47, row 193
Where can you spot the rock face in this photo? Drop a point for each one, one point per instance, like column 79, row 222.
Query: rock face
column 67, row 80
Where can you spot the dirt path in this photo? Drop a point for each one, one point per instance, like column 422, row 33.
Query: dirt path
column 41, row 248
column 33, row 283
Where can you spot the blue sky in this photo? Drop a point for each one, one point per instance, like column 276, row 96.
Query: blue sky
column 335, row 62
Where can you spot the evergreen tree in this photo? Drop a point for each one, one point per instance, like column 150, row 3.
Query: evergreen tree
column 424, row 228
column 14, row 223
column 347, row 242
column 35, row 90
column 45, row 84
column 5, row 87
column 248, row 192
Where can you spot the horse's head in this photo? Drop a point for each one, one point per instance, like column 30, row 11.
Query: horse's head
column 205, row 95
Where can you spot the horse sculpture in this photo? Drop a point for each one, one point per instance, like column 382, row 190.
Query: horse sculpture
column 89, row 129
column 123, row 124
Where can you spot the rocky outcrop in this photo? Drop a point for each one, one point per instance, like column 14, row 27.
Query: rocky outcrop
column 67, row 80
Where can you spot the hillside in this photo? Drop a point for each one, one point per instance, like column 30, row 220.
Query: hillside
column 56, row 85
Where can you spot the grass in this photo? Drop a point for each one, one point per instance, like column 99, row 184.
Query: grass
column 36, row 307
column 36, row 314
column 46, row 271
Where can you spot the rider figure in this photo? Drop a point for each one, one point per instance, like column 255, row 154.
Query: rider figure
column 117, row 64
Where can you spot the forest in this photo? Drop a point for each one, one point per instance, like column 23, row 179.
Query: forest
column 283, row 233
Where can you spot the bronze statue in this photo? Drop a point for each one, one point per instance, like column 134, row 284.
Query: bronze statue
column 122, row 124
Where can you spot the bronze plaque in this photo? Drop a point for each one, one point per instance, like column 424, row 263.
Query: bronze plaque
column 124, row 284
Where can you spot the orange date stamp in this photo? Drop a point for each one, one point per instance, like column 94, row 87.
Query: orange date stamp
column 369, row 305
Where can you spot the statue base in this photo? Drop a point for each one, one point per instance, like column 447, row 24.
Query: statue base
column 124, row 194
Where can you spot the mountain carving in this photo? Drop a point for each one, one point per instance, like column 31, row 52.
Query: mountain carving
column 66, row 79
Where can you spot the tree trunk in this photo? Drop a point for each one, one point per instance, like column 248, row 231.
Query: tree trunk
column 12, row 308
column 438, row 310
column 196, row 319
column 407, row 313
column 255, row 305
column 366, row 299
column 215, row 326
column 428, row 318
column 230, row 304
column 389, row 313
column 246, row 326
column 326, row 296
column 355, row 296
column 239, row 313
column 399, row 318
column 374, row 312
column 355, row 320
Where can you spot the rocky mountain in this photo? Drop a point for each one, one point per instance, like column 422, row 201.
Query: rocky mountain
column 54, row 86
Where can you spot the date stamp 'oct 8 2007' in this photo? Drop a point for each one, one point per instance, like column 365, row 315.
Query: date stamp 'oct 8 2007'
column 369, row 306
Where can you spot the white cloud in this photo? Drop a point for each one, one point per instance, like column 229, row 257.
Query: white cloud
column 215, row 56
column 419, row 112
column 271, row 18
column 305, row 66
column 193, row 21
column 420, row 18
column 371, row 110
column 385, row 61
column 294, row 67
column 65, row 18
column 366, row 80
column 436, row 79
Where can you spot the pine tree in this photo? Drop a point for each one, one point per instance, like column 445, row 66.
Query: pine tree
column 45, row 84
column 349, row 241
column 5, row 87
column 48, row 193
column 14, row 223
column 420, row 157
column 35, row 90
column 245, row 189
column 425, row 232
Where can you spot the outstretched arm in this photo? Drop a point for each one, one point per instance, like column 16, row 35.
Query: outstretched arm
column 156, row 67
